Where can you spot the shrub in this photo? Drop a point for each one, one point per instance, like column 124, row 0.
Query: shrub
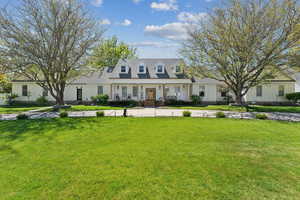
column 63, row 114
column 124, row 103
column 220, row 115
column 261, row 116
column 22, row 117
column 186, row 113
column 11, row 98
column 196, row 99
column 101, row 99
column 174, row 102
column 293, row 96
column 100, row 114
column 42, row 101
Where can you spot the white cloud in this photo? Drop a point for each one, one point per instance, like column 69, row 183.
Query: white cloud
column 97, row 3
column 172, row 31
column 154, row 44
column 136, row 1
column 126, row 22
column 166, row 5
column 105, row 22
column 191, row 17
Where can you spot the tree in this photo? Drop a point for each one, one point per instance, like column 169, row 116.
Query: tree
column 294, row 56
column 243, row 44
column 109, row 52
column 47, row 41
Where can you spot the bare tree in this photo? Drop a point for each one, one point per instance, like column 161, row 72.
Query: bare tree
column 243, row 44
column 47, row 41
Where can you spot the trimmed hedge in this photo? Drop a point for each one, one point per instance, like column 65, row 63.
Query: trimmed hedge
column 22, row 117
column 100, row 99
column 186, row 113
column 220, row 115
column 293, row 96
column 100, row 114
column 63, row 114
column 261, row 116
column 174, row 102
column 124, row 103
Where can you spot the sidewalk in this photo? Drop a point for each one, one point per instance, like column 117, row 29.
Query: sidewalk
column 153, row 112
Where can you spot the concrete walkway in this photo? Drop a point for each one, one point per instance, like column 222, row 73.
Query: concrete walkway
column 156, row 112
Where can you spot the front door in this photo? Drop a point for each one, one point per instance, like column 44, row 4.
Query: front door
column 79, row 94
column 151, row 93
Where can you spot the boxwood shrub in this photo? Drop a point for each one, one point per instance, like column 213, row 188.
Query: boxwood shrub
column 293, row 96
column 123, row 103
column 22, row 117
column 100, row 114
column 63, row 114
column 186, row 113
column 261, row 116
column 220, row 115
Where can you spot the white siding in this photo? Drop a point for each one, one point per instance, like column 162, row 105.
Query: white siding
column 270, row 93
column 210, row 91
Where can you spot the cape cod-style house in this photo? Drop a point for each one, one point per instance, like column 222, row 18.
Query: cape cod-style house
column 150, row 80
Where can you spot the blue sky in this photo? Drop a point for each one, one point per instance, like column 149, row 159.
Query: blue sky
column 155, row 27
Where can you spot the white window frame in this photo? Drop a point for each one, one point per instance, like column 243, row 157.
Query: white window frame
column 124, row 90
column 163, row 69
column 98, row 89
column 179, row 69
column 261, row 91
column 137, row 91
column 126, row 69
column 144, row 69
column 279, row 90
column 202, row 88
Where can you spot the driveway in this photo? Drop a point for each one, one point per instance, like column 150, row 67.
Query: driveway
column 157, row 112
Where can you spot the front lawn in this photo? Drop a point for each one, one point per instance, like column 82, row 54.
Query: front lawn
column 17, row 109
column 149, row 158
column 92, row 108
column 252, row 108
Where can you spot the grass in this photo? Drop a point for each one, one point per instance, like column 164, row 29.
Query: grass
column 253, row 108
column 17, row 109
column 92, row 108
column 149, row 158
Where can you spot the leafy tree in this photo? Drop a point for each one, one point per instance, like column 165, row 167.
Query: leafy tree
column 47, row 41
column 5, row 84
column 109, row 52
column 244, row 43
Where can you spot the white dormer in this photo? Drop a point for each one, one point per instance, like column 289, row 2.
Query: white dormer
column 124, row 69
column 142, row 69
column 160, row 69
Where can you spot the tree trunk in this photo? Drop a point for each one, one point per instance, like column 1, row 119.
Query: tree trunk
column 60, row 98
column 239, row 98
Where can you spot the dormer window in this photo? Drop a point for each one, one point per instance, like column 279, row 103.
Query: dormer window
column 123, row 69
column 142, row 69
column 160, row 69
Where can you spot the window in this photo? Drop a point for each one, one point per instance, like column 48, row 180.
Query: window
column 281, row 90
column 141, row 69
column 124, row 92
column 135, row 91
column 123, row 69
column 259, row 91
column 177, row 91
column 160, row 69
column 177, row 69
column 223, row 93
column 45, row 92
column 25, row 90
column 79, row 94
column 100, row 90
column 202, row 91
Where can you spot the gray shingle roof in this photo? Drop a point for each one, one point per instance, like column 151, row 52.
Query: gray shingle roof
column 150, row 64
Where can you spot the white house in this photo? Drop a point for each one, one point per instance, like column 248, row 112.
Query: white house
column 150, row 80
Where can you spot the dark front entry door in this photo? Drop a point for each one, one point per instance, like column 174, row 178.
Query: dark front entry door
column 79, row 94
column 151, row 93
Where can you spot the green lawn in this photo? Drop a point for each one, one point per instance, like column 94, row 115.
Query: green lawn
column 254, row 108
column 92, row 108
column 17, row 109
column 149, row 158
